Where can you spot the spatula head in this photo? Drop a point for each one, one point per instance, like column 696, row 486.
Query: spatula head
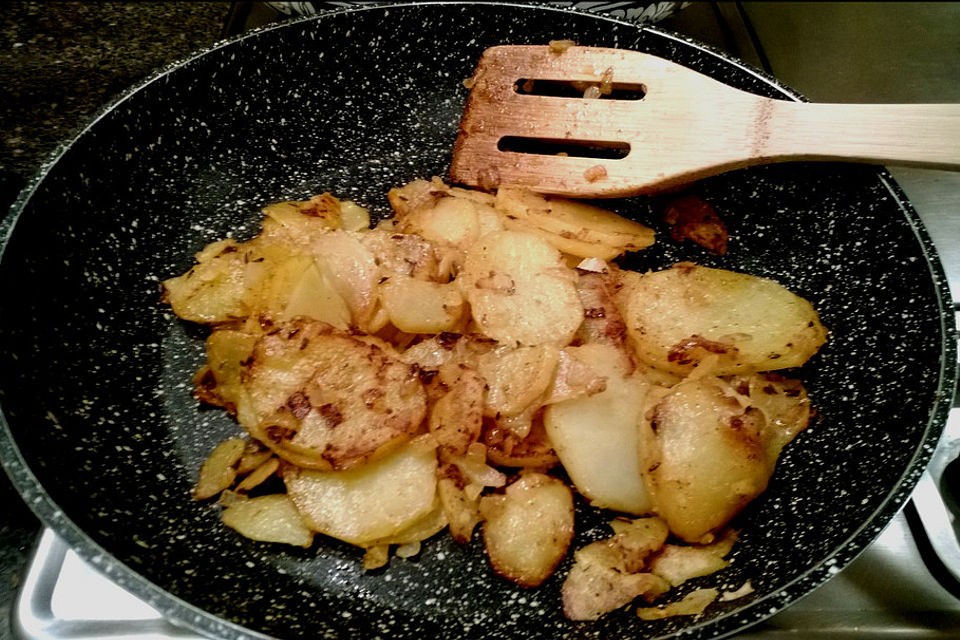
column 595, row 122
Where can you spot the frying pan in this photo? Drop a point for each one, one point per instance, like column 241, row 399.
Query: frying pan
column 103, row 439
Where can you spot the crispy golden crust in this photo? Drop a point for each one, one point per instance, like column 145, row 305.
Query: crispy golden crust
column 326, row 399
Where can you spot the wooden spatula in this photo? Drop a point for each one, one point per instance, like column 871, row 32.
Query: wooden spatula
column 657, row 124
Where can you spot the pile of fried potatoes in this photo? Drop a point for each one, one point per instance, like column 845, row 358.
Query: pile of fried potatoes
column 473, row 361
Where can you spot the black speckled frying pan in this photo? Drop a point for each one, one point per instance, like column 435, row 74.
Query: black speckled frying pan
column 102, row 437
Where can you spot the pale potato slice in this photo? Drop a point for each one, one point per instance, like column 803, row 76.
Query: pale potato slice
column 569, row 246
column 218, row 471
column 516, row 377
column 598, row 437
column 419, row 306
column 214, row 290
column 259, row 475
column 352, row 269
column 323, row 209
column 520, row 291
column 303, row 285
column 272, row 518
column 353, row 217
column 371, row 502
column 427, row 526
column 679, row 316
column 323, row 398
column 574, row 220
column 712, row 460
column 528, row 528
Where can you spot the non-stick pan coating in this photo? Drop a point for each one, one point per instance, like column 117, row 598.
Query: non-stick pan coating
column 104, row 439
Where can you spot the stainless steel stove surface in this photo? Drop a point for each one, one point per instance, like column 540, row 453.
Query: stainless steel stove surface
column 906, row 584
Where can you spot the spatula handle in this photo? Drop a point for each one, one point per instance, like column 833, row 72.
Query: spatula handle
column 913, row 134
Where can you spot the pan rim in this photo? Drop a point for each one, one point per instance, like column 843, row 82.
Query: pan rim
column 197, row 619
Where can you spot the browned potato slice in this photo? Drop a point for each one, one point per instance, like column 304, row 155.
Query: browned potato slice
column 219, row 471
column 528, row 528
column 271, row 518
column 598, row 583
column 598, row 437
column 403, row 254
column 516, row 377
column 520, row 291
column 254, row 455
column 419, row 306
column 574, row 220
column 712, row 460
column 784, row 403
column 456, row 419
column 506, row 449
column 678, row 317
column 371, row 502
column 461, row 506
column 323, row 398
column 635, row 540
column 227, row 351
column 694, row 603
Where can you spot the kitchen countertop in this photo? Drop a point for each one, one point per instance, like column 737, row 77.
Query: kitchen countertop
column 61, row 62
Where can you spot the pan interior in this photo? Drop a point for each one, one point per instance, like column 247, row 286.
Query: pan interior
column 95, row 383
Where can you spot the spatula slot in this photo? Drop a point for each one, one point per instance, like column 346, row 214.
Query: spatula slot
column 580, row 89
column 603, row 150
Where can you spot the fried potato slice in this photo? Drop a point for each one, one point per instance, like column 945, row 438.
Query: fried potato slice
column 516, row 377
column 218, row 471
column 569, row 246
column 214, row 290
column 712, row 460
column 573, row 219
column 679, row 316
column 520, row 291
column 456, row 418
column 784, row 403
column 608, row 574
column 369, row 503
column 528, row 528
column 419, row 306
column 598, row 437
column 327, row 399
column 506, row 449
column 271, row 518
